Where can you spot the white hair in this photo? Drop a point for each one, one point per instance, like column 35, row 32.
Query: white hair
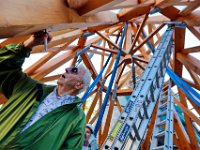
column 86, row 78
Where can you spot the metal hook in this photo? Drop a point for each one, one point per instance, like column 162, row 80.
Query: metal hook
column 45, row 42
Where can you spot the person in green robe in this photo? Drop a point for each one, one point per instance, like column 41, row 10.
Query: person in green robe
column 39, row 116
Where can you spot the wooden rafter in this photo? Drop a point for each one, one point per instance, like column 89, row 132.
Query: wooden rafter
column 190, row 61
column 189, row 125
column 130, row 13
column 91, row 8
column 195, row 4
column 68, row 25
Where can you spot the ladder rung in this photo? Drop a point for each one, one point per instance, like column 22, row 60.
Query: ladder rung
column 160, row 134
column 164, row 92
column 162, row 113
column 163, row 98
column 163, row 105
column 162, row 147
column 161, row 122
column 158, row 148
column 136, row 132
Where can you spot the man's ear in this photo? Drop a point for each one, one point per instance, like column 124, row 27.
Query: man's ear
column 79, row 85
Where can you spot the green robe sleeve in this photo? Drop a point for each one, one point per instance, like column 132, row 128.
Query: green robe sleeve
column 12, row 57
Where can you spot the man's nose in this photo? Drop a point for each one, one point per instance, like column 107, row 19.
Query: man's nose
column 66, row 70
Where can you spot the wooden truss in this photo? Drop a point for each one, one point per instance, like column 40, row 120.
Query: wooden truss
column 21, row 18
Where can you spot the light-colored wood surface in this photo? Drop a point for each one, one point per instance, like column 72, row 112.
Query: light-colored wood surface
column 69, row 26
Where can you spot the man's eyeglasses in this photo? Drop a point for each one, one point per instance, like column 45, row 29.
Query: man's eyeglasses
column 73, row 70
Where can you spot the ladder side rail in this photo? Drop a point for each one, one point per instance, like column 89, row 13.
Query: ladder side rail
column 159, row 79
column 121, row 129
column 138, row 102
column 110, row 139
column 168, row 143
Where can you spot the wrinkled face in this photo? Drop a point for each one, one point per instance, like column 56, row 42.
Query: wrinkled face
column 87, row 133
column 72, row 78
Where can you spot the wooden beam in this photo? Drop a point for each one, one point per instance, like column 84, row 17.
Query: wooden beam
column 146, row 39
column 191, row 50
column 188, row 122
column 132, row 3
column 104, row 49
column 177, row 141
column 92, row 106
column 31, row 70
column 96, row 39
column 190, row 61
column 193, row 19
column 195, row 4
column 89, row 65
column 125, row 4
column 124, row 92
column 61, row 39
column 194, row 76
column 181, row 133
column 195, row 32
column 179, row 39
column 13, row 40
column 119, row 73
column 128, row 38
column 53, row 64
column 192, row 84
column 109, row 41
column 165, row 3
column 118, row 105
column 150, row 29
column 139, row 32
column 98, row 52
column 91, row 7
column 131, row 13
column 108, row 119
column 188, row 112
column 50, row 78
column 153, row 19
column 51, row 15
column 103, row 27
column 17, row 40
column 111, row 64
column 170, row 12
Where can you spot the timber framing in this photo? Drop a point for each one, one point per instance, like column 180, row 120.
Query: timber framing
column 99, row 25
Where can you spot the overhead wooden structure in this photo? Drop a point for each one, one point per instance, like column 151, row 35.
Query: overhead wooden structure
column 146, row 21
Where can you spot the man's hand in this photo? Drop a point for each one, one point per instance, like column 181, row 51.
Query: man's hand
column 37, row 39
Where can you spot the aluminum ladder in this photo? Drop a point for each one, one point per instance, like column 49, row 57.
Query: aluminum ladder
column 162, row 138
column 133, row 121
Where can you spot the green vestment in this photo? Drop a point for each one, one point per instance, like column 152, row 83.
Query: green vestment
column 62, row 128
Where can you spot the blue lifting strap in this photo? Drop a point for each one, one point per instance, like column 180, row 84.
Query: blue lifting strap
column 190, row 92
column 111, row 82
column 89, row 90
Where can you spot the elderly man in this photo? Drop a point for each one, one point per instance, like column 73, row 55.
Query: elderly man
column 38, row 116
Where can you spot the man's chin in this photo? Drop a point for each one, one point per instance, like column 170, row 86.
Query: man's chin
column 59, row 82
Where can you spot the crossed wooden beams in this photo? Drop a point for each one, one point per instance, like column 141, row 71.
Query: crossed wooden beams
column 55, row 15
column 106, row 27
